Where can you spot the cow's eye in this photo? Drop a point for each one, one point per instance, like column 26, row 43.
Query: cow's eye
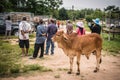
column 58, row 34
column 65, row 38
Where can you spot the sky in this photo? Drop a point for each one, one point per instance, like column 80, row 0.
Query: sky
column 81, row 4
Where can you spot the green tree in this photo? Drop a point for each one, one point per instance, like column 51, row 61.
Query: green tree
column 35, row 6
column 5, row 6
column 43, row 6
column 70, row 14
column 63, row 14
column 112, row 12
column 53, row 6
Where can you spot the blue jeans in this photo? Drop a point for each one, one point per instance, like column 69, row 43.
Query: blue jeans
column 48, row 43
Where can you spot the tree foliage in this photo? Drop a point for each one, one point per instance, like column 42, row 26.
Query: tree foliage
column 51, row 7
column 35, row 6
column 5, row 5
column 90, row 14
column 112, row 12
column 63, row 14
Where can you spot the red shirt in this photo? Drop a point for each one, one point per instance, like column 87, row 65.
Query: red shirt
column 79, row 32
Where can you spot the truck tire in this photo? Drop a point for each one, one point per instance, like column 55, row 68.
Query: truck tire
column 16, row 33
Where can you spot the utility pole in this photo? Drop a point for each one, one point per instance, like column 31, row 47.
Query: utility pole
column 73, row 12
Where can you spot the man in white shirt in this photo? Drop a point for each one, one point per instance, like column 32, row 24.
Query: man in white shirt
column 24, row 29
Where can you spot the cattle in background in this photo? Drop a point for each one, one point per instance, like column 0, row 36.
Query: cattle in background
column 74, row 45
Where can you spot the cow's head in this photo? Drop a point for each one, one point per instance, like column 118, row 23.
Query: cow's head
column 60, row 37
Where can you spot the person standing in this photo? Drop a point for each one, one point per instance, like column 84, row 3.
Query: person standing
column 58, row 24
column 40, row 40
column 80, row 30
column 52, row 29
column 24, row 29
column 96, row 28
column 69, row 27
column 8, row 23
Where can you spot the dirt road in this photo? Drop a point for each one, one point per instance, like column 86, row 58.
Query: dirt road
column 59, row 63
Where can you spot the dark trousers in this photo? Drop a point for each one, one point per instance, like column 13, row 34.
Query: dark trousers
column 36, row 49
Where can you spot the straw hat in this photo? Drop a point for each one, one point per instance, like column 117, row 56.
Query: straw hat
column 80, row 24
column 96, row 21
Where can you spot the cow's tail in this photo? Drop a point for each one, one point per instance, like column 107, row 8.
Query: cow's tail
column 100, row 60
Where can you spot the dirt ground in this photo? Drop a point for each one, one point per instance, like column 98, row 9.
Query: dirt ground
column 59, row 63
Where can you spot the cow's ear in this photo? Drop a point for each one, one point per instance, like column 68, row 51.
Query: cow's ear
column 65, row 37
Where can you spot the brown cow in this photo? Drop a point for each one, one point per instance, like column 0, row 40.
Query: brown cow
column 74, row 45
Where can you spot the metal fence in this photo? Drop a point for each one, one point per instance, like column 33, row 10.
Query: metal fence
column 115, row 22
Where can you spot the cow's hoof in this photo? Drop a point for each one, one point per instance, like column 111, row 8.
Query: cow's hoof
column 95, row 71
column 69, row 72
column 77, row 73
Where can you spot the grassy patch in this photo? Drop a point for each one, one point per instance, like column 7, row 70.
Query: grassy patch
column 15, row 68
column 35, row 67
column 18, row 70
column 31, row 50
column 62, row 69
column 57, row 76
column 11, row 37
column 32, row 35
column 112, row 45
column 8, row 57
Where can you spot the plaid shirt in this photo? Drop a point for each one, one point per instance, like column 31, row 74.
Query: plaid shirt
column 69, row 28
